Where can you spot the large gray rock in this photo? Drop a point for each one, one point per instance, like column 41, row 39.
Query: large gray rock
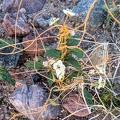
column 9, row 60
column 30, row 101
column 31, row 6
column 97, row 15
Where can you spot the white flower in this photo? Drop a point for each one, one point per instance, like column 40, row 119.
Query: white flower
column 48, row 63
column 72, row 33
column 45, row 64
column 60, row 69
column 53, row 20
column 69, row 12
column 61, row 76
column 101, row 83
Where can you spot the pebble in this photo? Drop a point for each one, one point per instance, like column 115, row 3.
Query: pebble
column 1, row 116
column 23, row 10
column 7, row 116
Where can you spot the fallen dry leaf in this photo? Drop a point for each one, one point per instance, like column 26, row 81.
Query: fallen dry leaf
column 73, row 103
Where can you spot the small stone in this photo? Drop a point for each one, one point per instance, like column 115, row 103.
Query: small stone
column 7, row 116
column 1, row 116
column 0, row 7
column 22, row 28
column 97, row 14
column 1, row 110
column 23, row 10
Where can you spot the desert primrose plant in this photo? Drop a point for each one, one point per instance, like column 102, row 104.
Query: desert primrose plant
column 63, row 68
column 62, row 64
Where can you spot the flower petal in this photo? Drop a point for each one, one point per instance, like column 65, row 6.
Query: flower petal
column 59, row 68
column 61, row 76
column 69, row 12
column 53, row 20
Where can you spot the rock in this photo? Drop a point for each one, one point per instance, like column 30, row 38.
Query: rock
column 9, row 60
column 1, row 1
column 30, row 49
column 7, row 4
column 30, row 46
column 42, row 22
column 31, row 6
column 23, row 10
column 97, row 15
column 37, row 78
column 75, row 104
column 99, row 55
column 33, row 98
column 1, row 116
column 7, row 116
column 2, row 31
column 22, row 28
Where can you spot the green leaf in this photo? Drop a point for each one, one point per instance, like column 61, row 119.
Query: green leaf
column 73, row 62
column 46, row 47
column 30, row 64
column 73, row 40
column 73, row 74
column 106, row 97
column 88, row 97
column 77, row 52
column 40, row 59
column 117, row 98
column 53, row 53
column 52, row 102
column 116, row 101
column 5, row 42
column 49, row 75
column 5, row 76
